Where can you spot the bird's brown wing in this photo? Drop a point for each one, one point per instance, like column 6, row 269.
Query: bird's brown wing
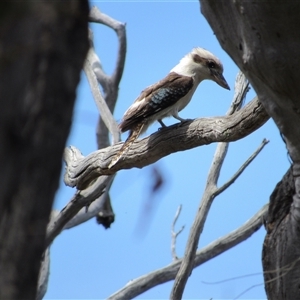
column 156, row 98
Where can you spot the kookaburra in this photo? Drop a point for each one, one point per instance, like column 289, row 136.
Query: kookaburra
column 170, row 95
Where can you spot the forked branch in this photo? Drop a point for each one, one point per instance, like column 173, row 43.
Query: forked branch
column 144, row 283
column 211, row 191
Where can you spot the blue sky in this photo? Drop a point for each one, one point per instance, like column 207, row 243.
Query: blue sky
column 88, row 262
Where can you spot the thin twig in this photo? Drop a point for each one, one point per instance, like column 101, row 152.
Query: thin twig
column 175, row 234
column 242, row 168
column 146, row 282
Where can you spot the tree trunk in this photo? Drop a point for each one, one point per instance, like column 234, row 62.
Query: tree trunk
column 281, row 250
column 43, row 46
column 262, row 37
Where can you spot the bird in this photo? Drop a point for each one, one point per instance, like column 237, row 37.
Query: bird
column 170, row 95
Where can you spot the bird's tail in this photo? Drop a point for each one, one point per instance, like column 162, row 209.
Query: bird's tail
column 134, row 134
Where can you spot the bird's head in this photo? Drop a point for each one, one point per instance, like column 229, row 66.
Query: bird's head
column 202, row 64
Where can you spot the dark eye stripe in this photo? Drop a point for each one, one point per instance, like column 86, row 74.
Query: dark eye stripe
column 211, row 65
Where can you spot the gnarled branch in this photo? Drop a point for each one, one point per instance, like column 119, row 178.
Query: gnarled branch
column 191, row 134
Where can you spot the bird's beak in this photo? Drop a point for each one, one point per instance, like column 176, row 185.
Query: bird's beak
column 220, row 80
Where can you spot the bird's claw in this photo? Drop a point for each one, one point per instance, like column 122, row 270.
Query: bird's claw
column 183, row 122
column 162, row 128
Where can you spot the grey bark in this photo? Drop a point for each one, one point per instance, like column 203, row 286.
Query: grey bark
column 262, row 37
column 110, row 86
column 81, row 171
column 43, row 46
column 281, row 250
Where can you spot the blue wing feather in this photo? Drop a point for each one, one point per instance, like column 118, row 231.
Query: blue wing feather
column 156, row 98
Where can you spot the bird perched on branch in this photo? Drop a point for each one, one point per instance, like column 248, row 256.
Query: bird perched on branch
column 170, row 95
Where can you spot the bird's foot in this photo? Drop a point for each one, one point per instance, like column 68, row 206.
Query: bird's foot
column 184, row 121
column 162, row 127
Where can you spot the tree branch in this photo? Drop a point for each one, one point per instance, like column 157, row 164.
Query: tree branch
column 227, row 184
column 174, row 138
column 97, row 16
column 211, row 191
column 96, row 196
column 110, row 85
column 175, row 234
column 80, row 199
column 168, row 273
column 94, row 207
column 105, row 112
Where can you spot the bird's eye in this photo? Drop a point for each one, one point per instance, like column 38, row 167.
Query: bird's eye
column 211, row 64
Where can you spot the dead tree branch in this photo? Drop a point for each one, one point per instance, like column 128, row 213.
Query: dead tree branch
column 81, row 199
column 175, row 234
column 174, row 138
column 104, row 111
column 222, row 188
column 168, row 273
column 110, row 85
column 211, row 191
column 95, row 197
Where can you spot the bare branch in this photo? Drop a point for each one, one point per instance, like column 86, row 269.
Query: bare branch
column 209, row 195
column 95, row 62
column 105, row 112
column 97, row 16
column 110, row 85
column 241, row 88
column 174, row 138
column 93, row 210
column 81, row 199
column 74, row 213
column 174, row 234
column 217, row 247
column 242, row 168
